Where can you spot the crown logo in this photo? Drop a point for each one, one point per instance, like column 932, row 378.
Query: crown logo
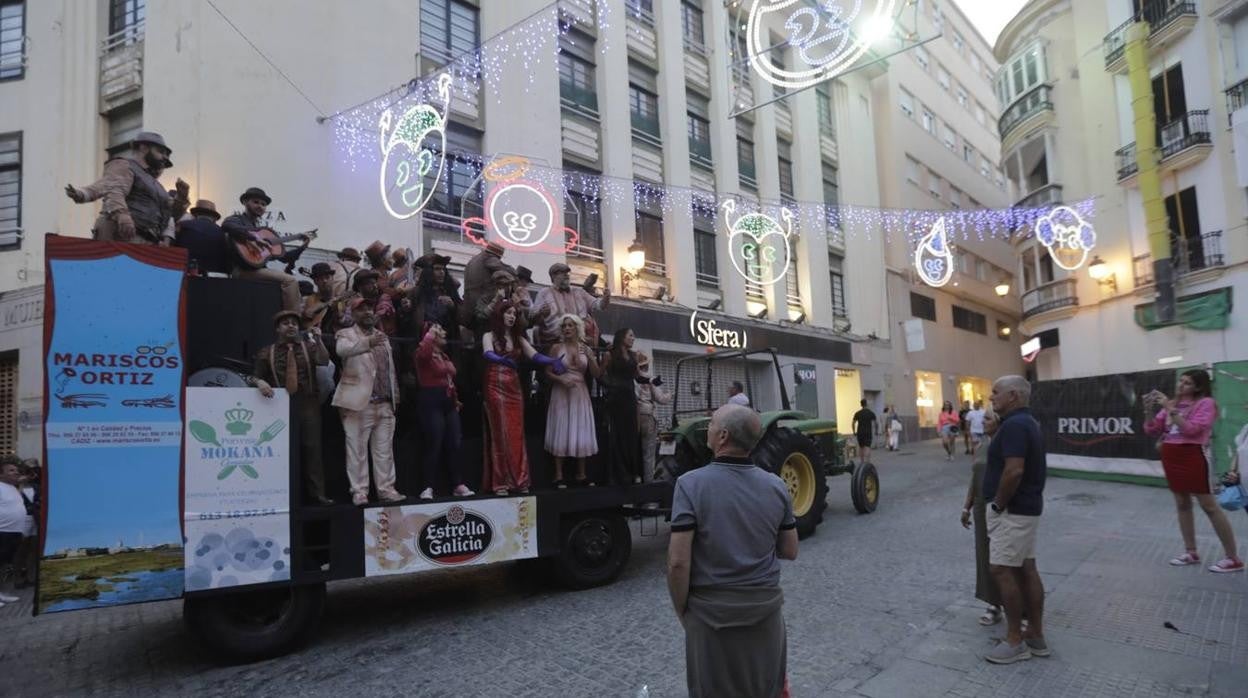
column 238, row 420
column 519, row 226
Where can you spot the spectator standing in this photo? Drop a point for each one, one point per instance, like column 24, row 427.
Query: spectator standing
column 895, row 428
column 28, row 553
column 648, row 396
column 975, row 426
column 1014, row 489
column 962, row 425
column 976, row 505
column 864, row 430
column 12, row 519
column 732, row 523
column 737, row 396
column 1185, row 425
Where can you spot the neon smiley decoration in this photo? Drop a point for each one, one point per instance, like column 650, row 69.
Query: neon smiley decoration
column 518, row 213
column 757, row 244
column 933, row 259
column 1066, row 236
column 413, row 148
column 828, row 38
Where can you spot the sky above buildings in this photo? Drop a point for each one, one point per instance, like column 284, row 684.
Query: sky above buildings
column 990, row 16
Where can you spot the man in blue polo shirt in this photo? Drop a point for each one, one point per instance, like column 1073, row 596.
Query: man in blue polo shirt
column 1014, row 488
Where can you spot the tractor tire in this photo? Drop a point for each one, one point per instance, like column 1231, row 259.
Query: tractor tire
column 796, row 459
column 864, row 488
column 247, row 626
column 668, row 468
column 594, row 548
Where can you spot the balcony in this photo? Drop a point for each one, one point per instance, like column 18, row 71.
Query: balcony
column 1236, row 97
column 121, row 68
column 1034, row 103
column 1204, row 254
column 1182, row 142
column 1167, row 21
column 646, row 128
column 1050, row 297
column 581, row 100
column 1048, row 194
column 700, row 151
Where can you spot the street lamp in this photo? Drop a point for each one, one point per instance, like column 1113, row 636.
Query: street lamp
column 1100, row 271
column 633, row 265
column 1002, row 288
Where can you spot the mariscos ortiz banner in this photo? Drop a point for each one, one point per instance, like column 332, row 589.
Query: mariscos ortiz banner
column 113, row 340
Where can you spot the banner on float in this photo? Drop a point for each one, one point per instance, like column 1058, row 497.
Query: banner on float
column 113, row 342
column 403, row 539
column 237, row 487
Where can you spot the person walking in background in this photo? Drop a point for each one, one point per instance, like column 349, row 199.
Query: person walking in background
column 732, row 523
column 1185, row 424
column 1239, row 454
column 966, row 433
column 864, row 430
column 975, row 426
column 895, row 428
column 977, row 507
column 947, row 426
column 1014, row 489
column 12, row 520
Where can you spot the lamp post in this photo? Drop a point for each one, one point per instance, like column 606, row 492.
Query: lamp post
column 633, row 265
column 1100, row 271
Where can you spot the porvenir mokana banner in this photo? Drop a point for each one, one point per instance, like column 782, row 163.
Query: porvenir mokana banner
column 113, row 352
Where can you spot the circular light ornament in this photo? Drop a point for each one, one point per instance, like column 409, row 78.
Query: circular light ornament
column 1066, row 236
column 413, row 149
column 758, row 245
column 827, row 38
column 933, row 259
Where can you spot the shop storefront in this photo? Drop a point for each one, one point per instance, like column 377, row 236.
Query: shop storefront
column 973, row 390
column 21, row 372
column 929, row 396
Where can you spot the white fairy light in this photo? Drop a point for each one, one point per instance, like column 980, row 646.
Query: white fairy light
column 827, row 40
column 933, row 259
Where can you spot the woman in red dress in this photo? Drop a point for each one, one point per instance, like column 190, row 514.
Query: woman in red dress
column 1185, row 425
column 506, row 462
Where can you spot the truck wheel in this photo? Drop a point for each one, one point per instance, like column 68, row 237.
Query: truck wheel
column 251, row 625
column 796, row 459
column 594, row 547
column 864, row 488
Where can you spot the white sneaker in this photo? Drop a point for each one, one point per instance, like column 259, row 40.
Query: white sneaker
column 463, row 491
column 5, row 598
column 426, row 493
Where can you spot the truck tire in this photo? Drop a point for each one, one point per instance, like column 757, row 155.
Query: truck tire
column 594, row 548
column 250, row 625
column 864, row 488
column 796, row 459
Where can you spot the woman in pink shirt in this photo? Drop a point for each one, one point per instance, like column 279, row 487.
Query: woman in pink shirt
column 1185, row 425
column 947, row 424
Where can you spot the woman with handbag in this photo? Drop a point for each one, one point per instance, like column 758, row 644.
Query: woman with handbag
column 947, row 425
column 1185, row 425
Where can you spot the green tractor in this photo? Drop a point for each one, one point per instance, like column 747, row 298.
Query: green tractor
column 802, row 449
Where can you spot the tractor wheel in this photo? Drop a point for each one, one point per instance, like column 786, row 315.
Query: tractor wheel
column 864, row 488
column 668, row 468
column 796, row 459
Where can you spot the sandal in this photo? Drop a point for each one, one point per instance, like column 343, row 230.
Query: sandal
column 991, row 616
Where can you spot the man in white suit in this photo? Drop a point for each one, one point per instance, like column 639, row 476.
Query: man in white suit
column 367, row 395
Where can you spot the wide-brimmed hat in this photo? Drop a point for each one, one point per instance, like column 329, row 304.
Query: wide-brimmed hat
column 321, row 269
column 204, row 207
column 432, row 260
column 350, row 254
column 502, row 276
column 377, row 250
column 524, row 274
column 362, row 276
column 282, row 314
column 254, row 193
column 559, row 268
column 153, row 138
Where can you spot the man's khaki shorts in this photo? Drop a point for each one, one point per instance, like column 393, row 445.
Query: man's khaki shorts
column 1011, row 538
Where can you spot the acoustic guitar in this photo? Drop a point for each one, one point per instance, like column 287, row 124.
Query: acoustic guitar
column 266, row 245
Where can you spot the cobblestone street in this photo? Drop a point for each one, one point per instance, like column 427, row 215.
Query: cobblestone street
column 878, row 605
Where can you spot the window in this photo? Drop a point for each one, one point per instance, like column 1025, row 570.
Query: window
column 980, row 114
column 699, row 128
column 1169, row 104
column 643, row 9
column 448, row 28
column 692, row 25
column 823, row 99
column 958, row 42
column 650, row 233
column 792, row 283
column 1020, row 74
column 912, row 169
column 8, row 402
column 1046, row 268
column 578, row 86
column 705, row 262
column 745, row 153
column 836, row 271
column 10, row 189
column 1187, row 249
column 785, row 160
column 643, row 100
column 976, row 64
column 950, row 138
column 955, row 197
column 779, row 60
column 920, row 55
column 942, row 76
column 968, row 154
column 929, row 121
column 581, row 212
column 969, row 320
column 124, row 14
column 963, row 98
column 1029, row 268
column 123, row 125
column 463, row 148
column 934, row 184
column 12, row 39
column 985, row 167
column 831, row 193
column 922, row 307
column 906, row 101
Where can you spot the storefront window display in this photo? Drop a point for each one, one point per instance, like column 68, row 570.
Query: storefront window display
column 928, row 397
column 848, row 394
column 973, row 389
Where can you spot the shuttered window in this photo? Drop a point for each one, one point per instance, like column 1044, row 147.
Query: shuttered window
column 8, row 404
column 448, row 29
column 10, row 190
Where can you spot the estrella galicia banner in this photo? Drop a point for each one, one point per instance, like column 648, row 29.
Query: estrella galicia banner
column 113, row 348
column 237, row 487
column 422, row 537
column 1096, row 424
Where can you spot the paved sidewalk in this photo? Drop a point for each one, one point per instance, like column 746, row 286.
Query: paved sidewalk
column 879, row 605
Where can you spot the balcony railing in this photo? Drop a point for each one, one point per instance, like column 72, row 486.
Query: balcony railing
column 579, row 99
column 1030, row 104
column 121, row 68
column 706, row 279
column 700, row 151
column 646, row 127
column 587, row 252
column 1200, row 253
column 1045, row 195
column 1050, row 296
column 1190, row 129
column 1236, row 97
column 1159, row 14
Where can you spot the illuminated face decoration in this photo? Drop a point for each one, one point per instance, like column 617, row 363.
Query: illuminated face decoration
column 758, row 245
column 519, row 213
column 1066, row 236
column 933, row 259
column 828, row 36
column 412, row 150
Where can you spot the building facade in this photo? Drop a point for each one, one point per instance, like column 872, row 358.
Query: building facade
column 653, row 93
column 1068, row 134
column 939, row 149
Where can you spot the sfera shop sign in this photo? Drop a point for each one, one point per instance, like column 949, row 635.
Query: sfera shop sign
column 706, row 331
column 455, row 538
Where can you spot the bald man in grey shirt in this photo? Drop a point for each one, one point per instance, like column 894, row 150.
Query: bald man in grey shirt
column 732, row 523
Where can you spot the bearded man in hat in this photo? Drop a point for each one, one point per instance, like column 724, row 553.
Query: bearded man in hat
column 347, row 265
column 367, row 396
column 291, row 363
column 136, row 207
column 205, row 242
column 436, row 298
column 242, row 226
column 479, row 281
column 562, row 298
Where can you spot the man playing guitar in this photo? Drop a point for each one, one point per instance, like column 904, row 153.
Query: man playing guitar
column 244, row 226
